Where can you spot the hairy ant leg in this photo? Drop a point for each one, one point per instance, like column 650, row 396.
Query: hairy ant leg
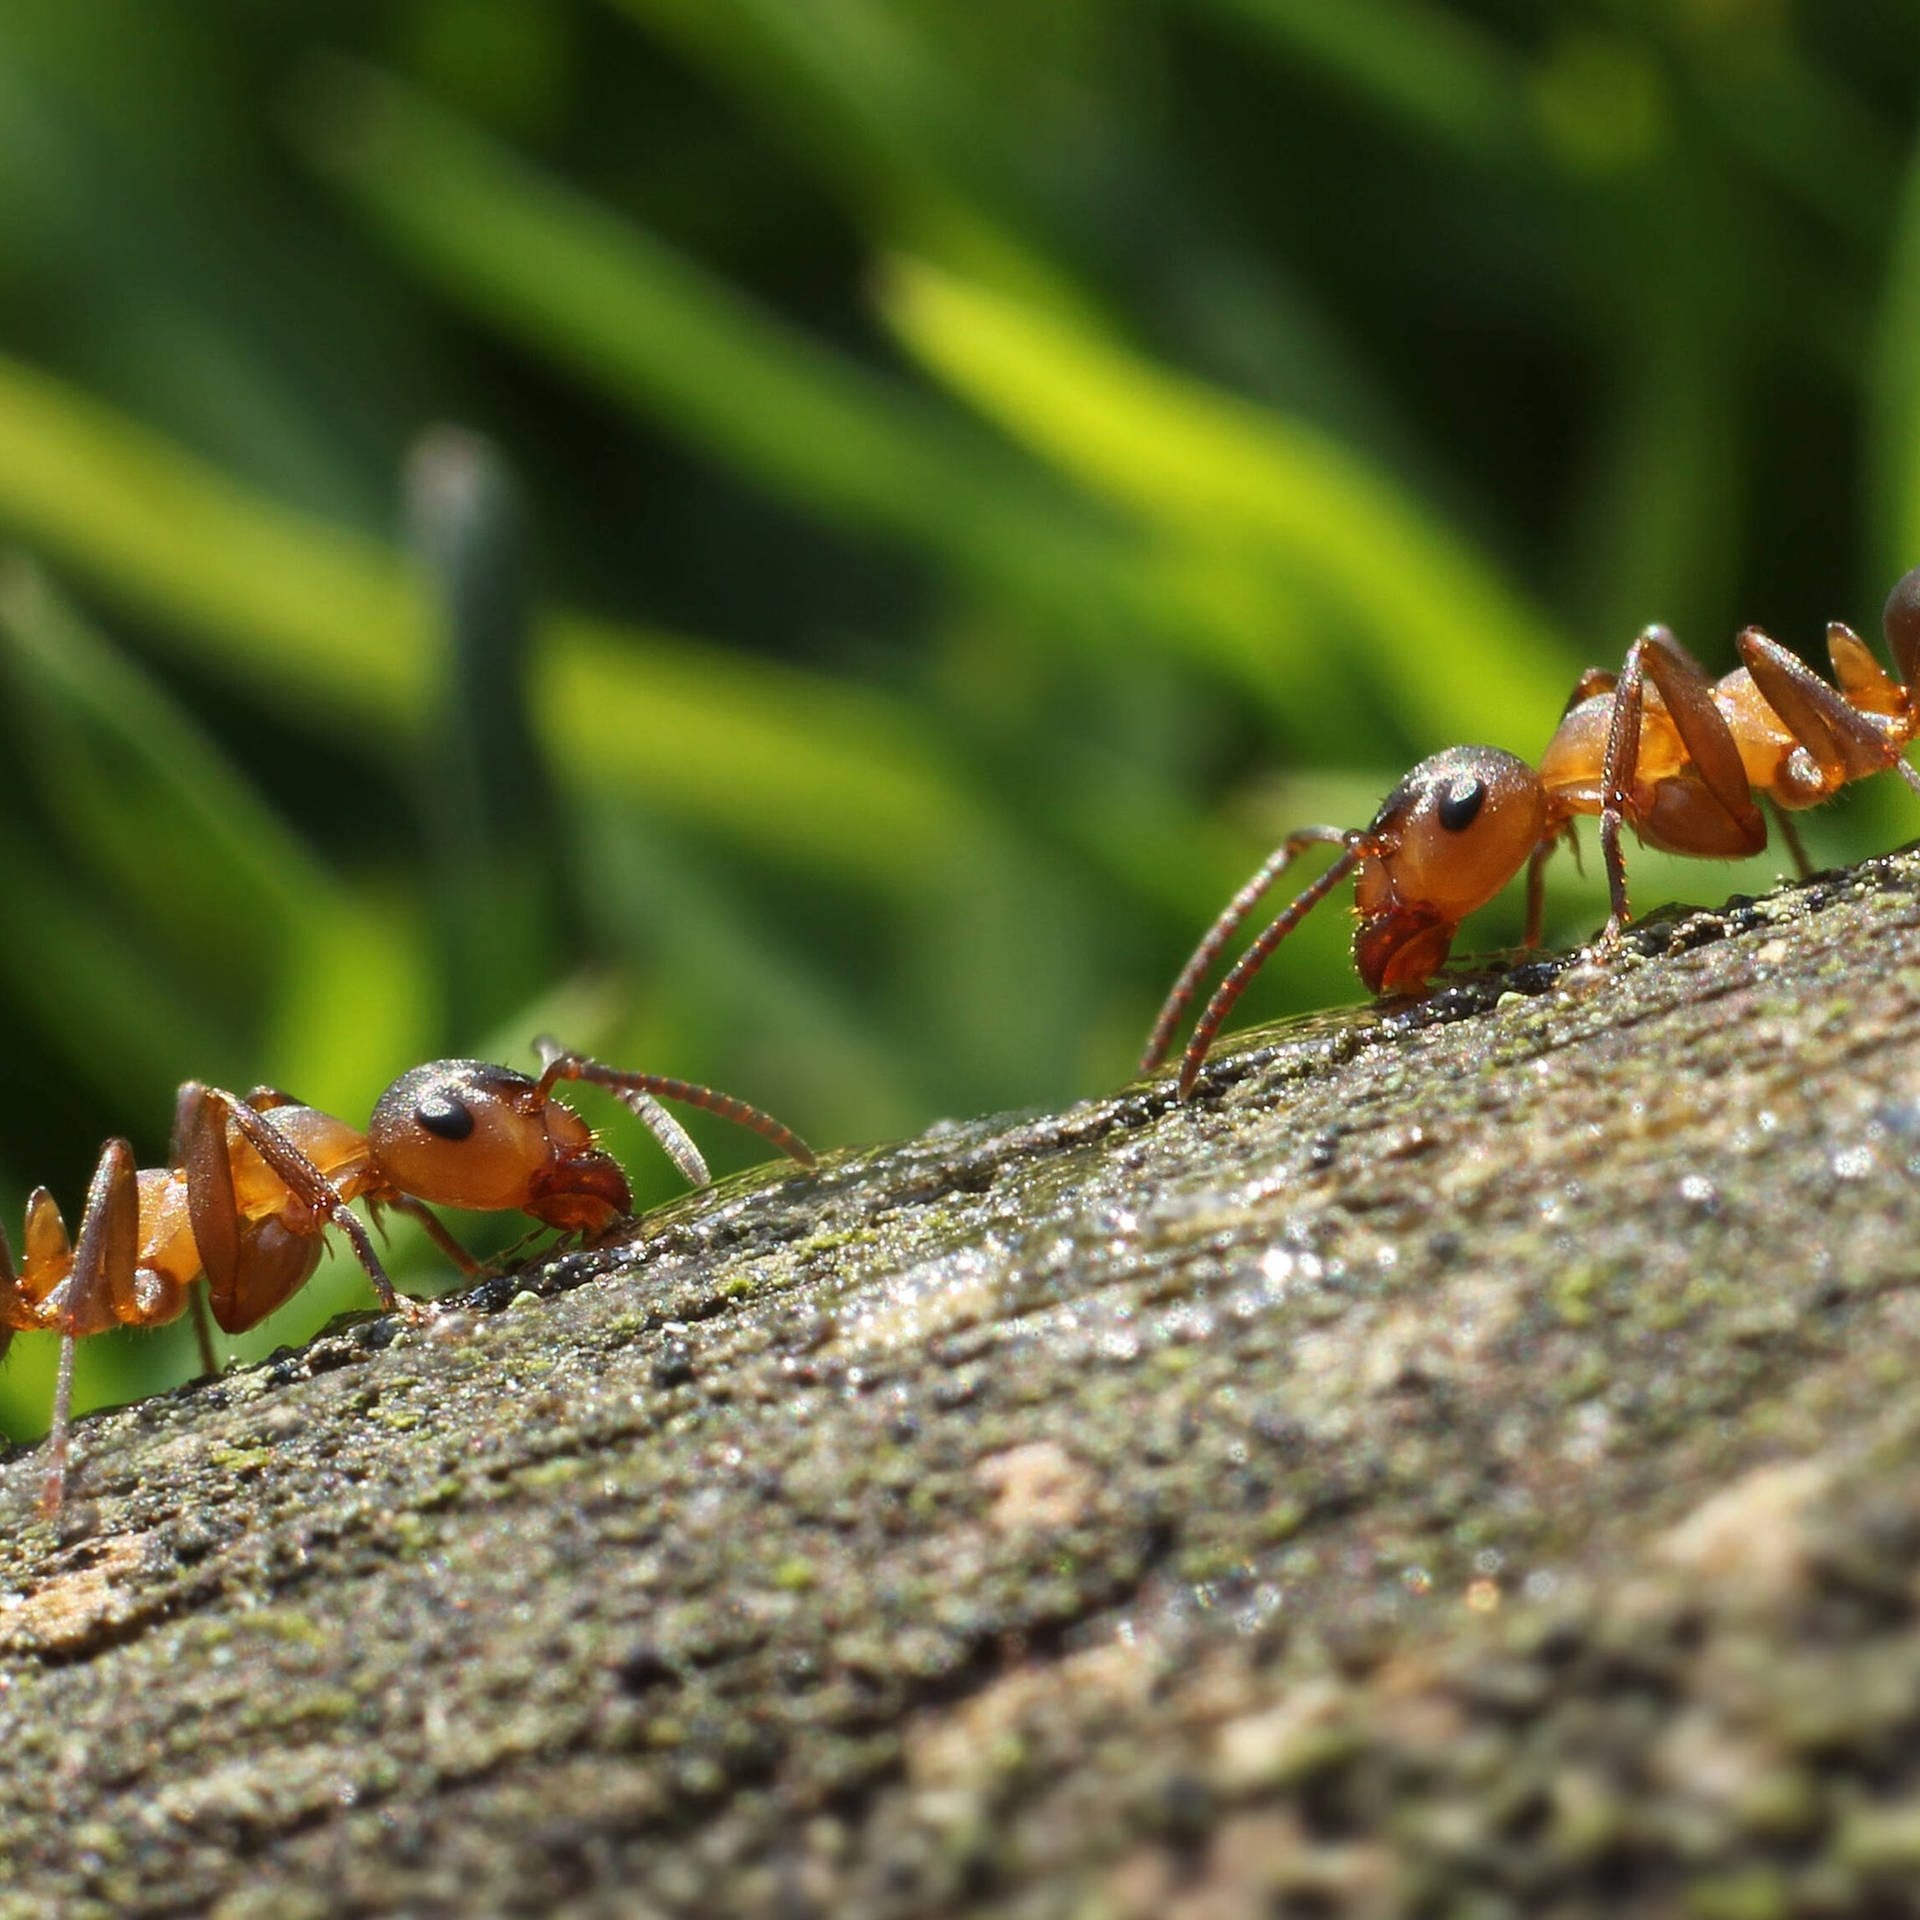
column 100, row 1279
column 1705, row 807
column 434, row 1227
column 253, row 1265
column 1842, row 742
column 188, row 1107
column 1789, row 837
column 1537, row 882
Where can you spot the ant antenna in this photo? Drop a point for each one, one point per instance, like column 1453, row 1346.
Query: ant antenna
column 1223, row 929
column 635, row 1090
column 1235, row 984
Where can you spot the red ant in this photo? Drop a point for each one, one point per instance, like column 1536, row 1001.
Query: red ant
column 252, row 1185
column 1658, row 747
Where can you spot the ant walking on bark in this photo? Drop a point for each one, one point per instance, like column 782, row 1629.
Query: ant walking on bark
column 251, row 1187
column 1657, row 747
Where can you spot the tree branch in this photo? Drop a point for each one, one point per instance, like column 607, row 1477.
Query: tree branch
column 1466, row 1455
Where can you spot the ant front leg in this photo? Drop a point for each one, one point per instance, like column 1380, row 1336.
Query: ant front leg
column 435, row 1229
column 189, row 1109
column 1709, row 809
column 252, row 1266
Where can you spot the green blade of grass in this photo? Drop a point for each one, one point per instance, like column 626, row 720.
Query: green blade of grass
column 659, row 334
column 331, row 629
column 859, row 779
column 1456, row 648
column 301, row 611
column 1895, row 411
column 160, row 784
column 651, row 328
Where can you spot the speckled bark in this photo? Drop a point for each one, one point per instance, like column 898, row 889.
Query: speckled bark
column 1466, row 1462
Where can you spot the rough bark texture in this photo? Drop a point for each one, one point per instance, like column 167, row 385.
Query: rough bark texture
column 1468, row 1461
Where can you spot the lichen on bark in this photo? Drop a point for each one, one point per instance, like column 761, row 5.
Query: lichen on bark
column 1465, row 1460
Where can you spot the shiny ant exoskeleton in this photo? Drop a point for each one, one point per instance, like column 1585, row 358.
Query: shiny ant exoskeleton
column 252, row 1185
column 1658, row 747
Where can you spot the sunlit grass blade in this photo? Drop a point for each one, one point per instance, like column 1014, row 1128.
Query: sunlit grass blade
column 93, row 995
column 297, row 609
column 851, row 782
column 330, row 629
column 499, row 861
column 660, row 334
column 1457, row 648
column 165, row 818
column 1895, row 414
column 656, row 331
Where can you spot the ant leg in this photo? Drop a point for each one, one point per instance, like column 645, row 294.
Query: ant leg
column 104, row 1257
column 217, row 1226
column 187, row 1105
column 13, row 1299
column 1842, row 742
column 53, row 1489
column 635, row 1091
column 1721, row 801
column 203, row 1333
column 1173, row 1009
column 1719, row 776
column 1863, row 682
column 228, row 1250
column 436, row 1230
column 1616, row 784
column 1593, row 680
column 1790, row 838
column 1537, row 890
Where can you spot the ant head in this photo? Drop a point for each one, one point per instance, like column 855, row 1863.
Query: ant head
column 1444, row 842
column 462, row 1133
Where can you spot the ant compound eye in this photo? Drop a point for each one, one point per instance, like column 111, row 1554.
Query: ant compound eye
column 446, row 1116
column 1460, row 804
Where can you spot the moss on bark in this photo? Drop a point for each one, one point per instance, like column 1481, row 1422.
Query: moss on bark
column 1468, row 1460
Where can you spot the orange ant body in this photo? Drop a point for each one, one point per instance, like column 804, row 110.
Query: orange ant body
column 252, row 1186
column 1658, row 747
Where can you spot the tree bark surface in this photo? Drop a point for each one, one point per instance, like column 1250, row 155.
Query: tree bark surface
column 1467, row 1460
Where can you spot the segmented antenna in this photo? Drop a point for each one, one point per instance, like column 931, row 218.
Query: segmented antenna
column 1174, row 1010
column 1235, row 984
column 632, row 1088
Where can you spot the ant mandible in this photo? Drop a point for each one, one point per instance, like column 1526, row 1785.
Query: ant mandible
column 252, row 1185
column 1658, row 747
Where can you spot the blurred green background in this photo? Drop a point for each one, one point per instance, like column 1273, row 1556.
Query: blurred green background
column 811, row 547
